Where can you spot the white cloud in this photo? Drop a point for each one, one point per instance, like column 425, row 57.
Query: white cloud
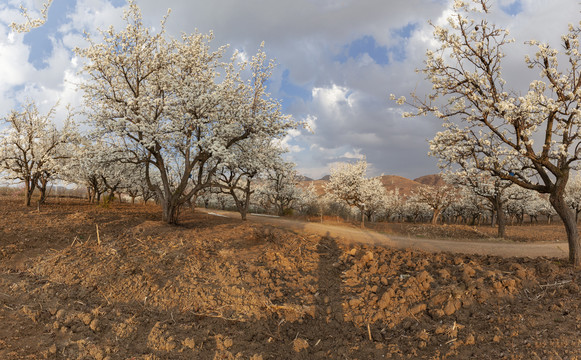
column 90, row 15
column 311, row 123
column 348, row 107
column 356, row 154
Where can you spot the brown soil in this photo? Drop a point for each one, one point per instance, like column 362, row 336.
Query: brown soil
column 517, row 233
column 218, row 288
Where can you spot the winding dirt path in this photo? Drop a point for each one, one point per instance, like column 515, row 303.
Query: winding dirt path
column 346, row 234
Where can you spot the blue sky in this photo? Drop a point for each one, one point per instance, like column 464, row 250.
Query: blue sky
column 338, row 62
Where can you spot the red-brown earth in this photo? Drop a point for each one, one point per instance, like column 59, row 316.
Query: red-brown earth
column 219, row 288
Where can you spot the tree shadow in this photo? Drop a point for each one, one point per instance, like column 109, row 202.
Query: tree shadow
column 326, row 334
column 328, row 298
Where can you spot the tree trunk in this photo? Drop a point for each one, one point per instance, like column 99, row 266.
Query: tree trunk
column 501, row 221
column 500, row 216
column 435, row 216
column 362, row 218
column 170, row 212
column 42, row 199
column 42, row 185
column 28, row 193
column 557, row 199
column 241, row 204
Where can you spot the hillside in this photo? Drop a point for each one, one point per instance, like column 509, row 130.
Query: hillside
column 405, row 186
column 431, row 180
column 391, row 182
column 319, row 185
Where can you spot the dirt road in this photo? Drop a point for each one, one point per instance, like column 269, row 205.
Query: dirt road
column 347, row 234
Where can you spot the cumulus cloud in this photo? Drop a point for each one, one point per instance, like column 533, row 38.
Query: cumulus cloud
column 338, row 62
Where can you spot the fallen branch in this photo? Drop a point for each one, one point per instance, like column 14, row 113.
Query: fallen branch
column 218, row 317
column 556, row 284
column 98, row 238
column 106, row 298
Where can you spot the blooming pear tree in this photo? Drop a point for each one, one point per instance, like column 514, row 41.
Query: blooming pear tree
column 136, row 186
column 214, row 198
column 438, row 198
column 573, row 195
column 377, row 199
column 491, row 188
column 279, row 187
column 89, row 165
column 394, row 204
column 31, row 22
column 539, row 205
column 116, row 177
column 416, row 210
column 468, row 206
column 84, row 169
column 519, row 204
column 309, row 202
column 32, row 149
column 174, row 105
column 236, row 177
column 349, row 184
column 491, row 127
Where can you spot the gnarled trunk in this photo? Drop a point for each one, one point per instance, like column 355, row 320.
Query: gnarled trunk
column 557, row 199
column 436, row 216
column 170, row 212
column 500, row 216
column 42, row 199
column 30, row 186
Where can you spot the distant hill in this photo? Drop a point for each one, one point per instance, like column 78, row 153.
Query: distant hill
column 405, row 186
column 318, row 184
column 431, row 180
column 390, row 182
column 304, row 178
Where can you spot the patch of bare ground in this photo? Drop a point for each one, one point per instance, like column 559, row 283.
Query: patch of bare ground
column 218, row 288
column 514, row 233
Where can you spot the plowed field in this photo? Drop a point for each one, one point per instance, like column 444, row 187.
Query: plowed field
column 218, row 288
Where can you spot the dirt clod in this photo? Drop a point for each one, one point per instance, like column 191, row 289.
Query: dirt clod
column 300, row 344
